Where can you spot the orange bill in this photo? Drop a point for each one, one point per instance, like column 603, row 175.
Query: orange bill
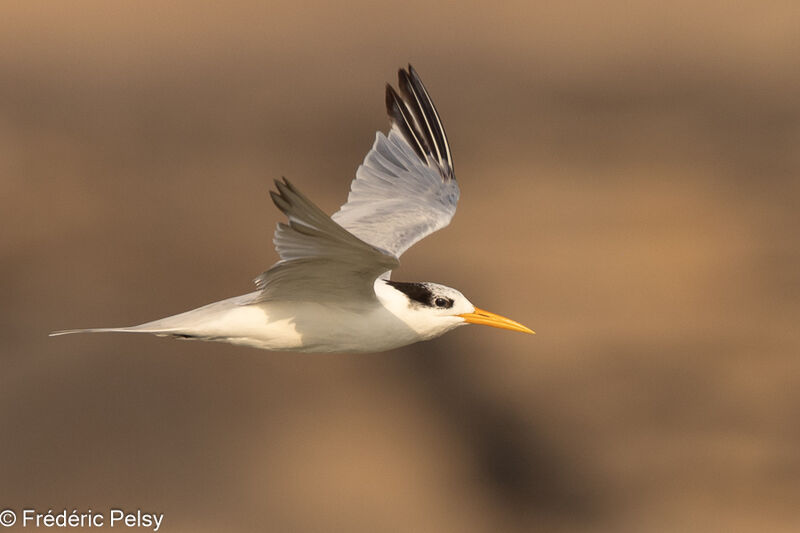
column 496, row 321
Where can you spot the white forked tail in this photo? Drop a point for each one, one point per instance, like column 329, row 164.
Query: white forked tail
column 189, row 324
column 131, row 329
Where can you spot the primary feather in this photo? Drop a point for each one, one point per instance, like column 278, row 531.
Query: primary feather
column 406, row 188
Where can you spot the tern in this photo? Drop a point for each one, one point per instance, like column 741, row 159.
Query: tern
column 331, row 290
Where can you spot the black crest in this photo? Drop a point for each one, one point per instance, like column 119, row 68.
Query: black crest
column 421, row 293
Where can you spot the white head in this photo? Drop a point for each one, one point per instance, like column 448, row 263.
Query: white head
column 432, row 309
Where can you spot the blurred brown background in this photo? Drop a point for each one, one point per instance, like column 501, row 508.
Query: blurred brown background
column 630, row 190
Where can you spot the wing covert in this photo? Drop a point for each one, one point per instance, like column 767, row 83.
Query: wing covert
column 320, row 260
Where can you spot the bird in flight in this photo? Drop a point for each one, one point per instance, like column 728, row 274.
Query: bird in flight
column 331, row 290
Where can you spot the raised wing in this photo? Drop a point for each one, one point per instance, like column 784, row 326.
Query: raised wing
column 320, row 260
column 406, row 188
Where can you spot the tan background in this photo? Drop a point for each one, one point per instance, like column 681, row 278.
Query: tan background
column 630, row 190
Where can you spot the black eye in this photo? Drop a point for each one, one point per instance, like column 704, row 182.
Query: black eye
column 441, row 302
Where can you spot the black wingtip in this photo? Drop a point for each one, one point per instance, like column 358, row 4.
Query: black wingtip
column 284, row 185
column 279, row 202
column 414, row 112
column 390, row 96
column 281, row 198
column 400, row 116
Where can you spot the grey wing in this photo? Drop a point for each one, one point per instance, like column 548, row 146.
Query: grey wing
column 320, row 260
column 406, row 188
